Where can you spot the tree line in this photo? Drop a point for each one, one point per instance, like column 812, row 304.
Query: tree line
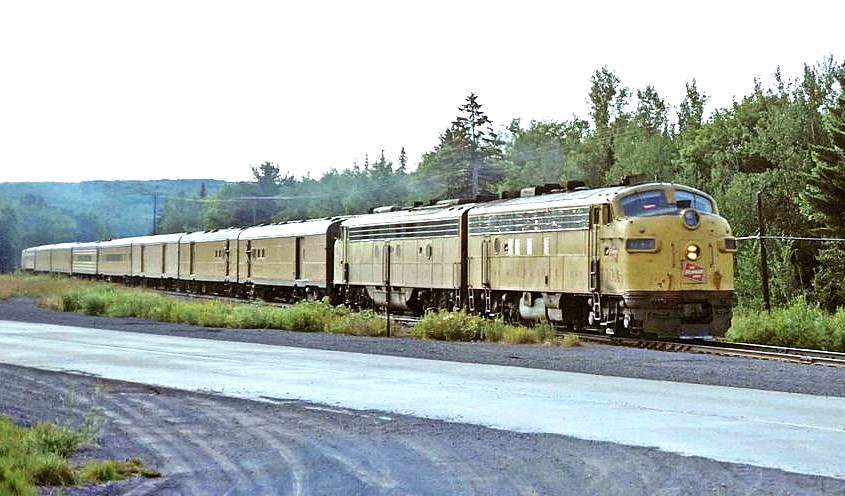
column 785, row 139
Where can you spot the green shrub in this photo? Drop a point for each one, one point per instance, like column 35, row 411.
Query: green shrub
column 51, row 469
column 100, row 471
column 494, row 331
column 51, row 439
column 462, row 326
column 38, row 456
column 520, row 335
column 14, row 481
column 570, row 341
column 307, row 316
column 799, row 325
column 450, row 326
column 545, row 331
column 252, row 316
column 90, row 299
column 364, row 323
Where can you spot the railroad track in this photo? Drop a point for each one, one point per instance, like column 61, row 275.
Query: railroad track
column 745, row 350
column 798, row 355
column 226, row 299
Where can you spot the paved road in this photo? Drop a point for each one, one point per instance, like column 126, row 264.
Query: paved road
column 793, row 432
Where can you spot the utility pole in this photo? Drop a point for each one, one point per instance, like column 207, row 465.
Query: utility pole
column 764, row 264
column 155, row 211
column 387, row 284
column 474, row 144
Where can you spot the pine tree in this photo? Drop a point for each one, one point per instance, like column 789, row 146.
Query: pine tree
column 403, row 160
column 825, row 192
column 825, row 195
column 469, row 156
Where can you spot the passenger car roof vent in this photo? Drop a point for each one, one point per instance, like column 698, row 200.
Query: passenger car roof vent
column 576, row 185
column 485, row 197
column 539, row 190
column 632, row 180
column 386, row 208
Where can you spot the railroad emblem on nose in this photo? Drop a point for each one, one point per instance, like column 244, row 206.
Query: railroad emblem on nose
column 693, row 273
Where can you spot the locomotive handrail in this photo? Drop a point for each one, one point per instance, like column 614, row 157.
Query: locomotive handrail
column 791, row 238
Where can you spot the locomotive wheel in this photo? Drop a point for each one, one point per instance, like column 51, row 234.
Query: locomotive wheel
column 510, row 311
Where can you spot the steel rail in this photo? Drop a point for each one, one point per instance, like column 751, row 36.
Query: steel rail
column 744, row 350
column 722, row 348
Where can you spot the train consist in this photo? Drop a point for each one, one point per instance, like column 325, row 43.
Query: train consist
column 651, row 259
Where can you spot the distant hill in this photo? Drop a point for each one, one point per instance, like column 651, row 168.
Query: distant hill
column 125, row 207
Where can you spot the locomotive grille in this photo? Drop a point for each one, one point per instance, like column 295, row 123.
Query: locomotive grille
column 429, row 229
column 531, row 220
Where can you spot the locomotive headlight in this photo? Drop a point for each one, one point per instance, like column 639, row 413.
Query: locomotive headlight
column 693, row 252
column 691, row 218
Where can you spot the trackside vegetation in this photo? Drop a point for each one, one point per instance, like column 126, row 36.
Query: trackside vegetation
column 462, row 326
column 99, row 298
column 38, row 456
column 800, row 324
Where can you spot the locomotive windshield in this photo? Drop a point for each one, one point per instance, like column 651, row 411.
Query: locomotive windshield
column 656, row 202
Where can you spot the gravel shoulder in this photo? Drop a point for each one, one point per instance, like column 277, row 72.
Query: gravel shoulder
column 206, row 444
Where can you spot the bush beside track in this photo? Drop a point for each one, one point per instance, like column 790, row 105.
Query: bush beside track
column 798, row 325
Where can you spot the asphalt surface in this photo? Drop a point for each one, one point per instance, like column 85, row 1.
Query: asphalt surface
column 205, row 444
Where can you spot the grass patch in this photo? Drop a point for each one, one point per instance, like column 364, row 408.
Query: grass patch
column 98, row 298
column 109, row 470
column 463, row 326
column 451, row 326
column 798, row 325
column 38, row 456
column 45, row 285
column 111, row 300
column 570, row 341
column 364, row 323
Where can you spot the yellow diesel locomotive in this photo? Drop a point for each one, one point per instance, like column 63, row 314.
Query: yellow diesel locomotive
column 650, row 259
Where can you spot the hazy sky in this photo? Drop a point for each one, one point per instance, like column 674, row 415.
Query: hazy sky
column 177, row 89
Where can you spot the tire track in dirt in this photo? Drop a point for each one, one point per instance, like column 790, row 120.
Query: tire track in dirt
column 274, row 447
column 248, row 474
column 137, row 417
